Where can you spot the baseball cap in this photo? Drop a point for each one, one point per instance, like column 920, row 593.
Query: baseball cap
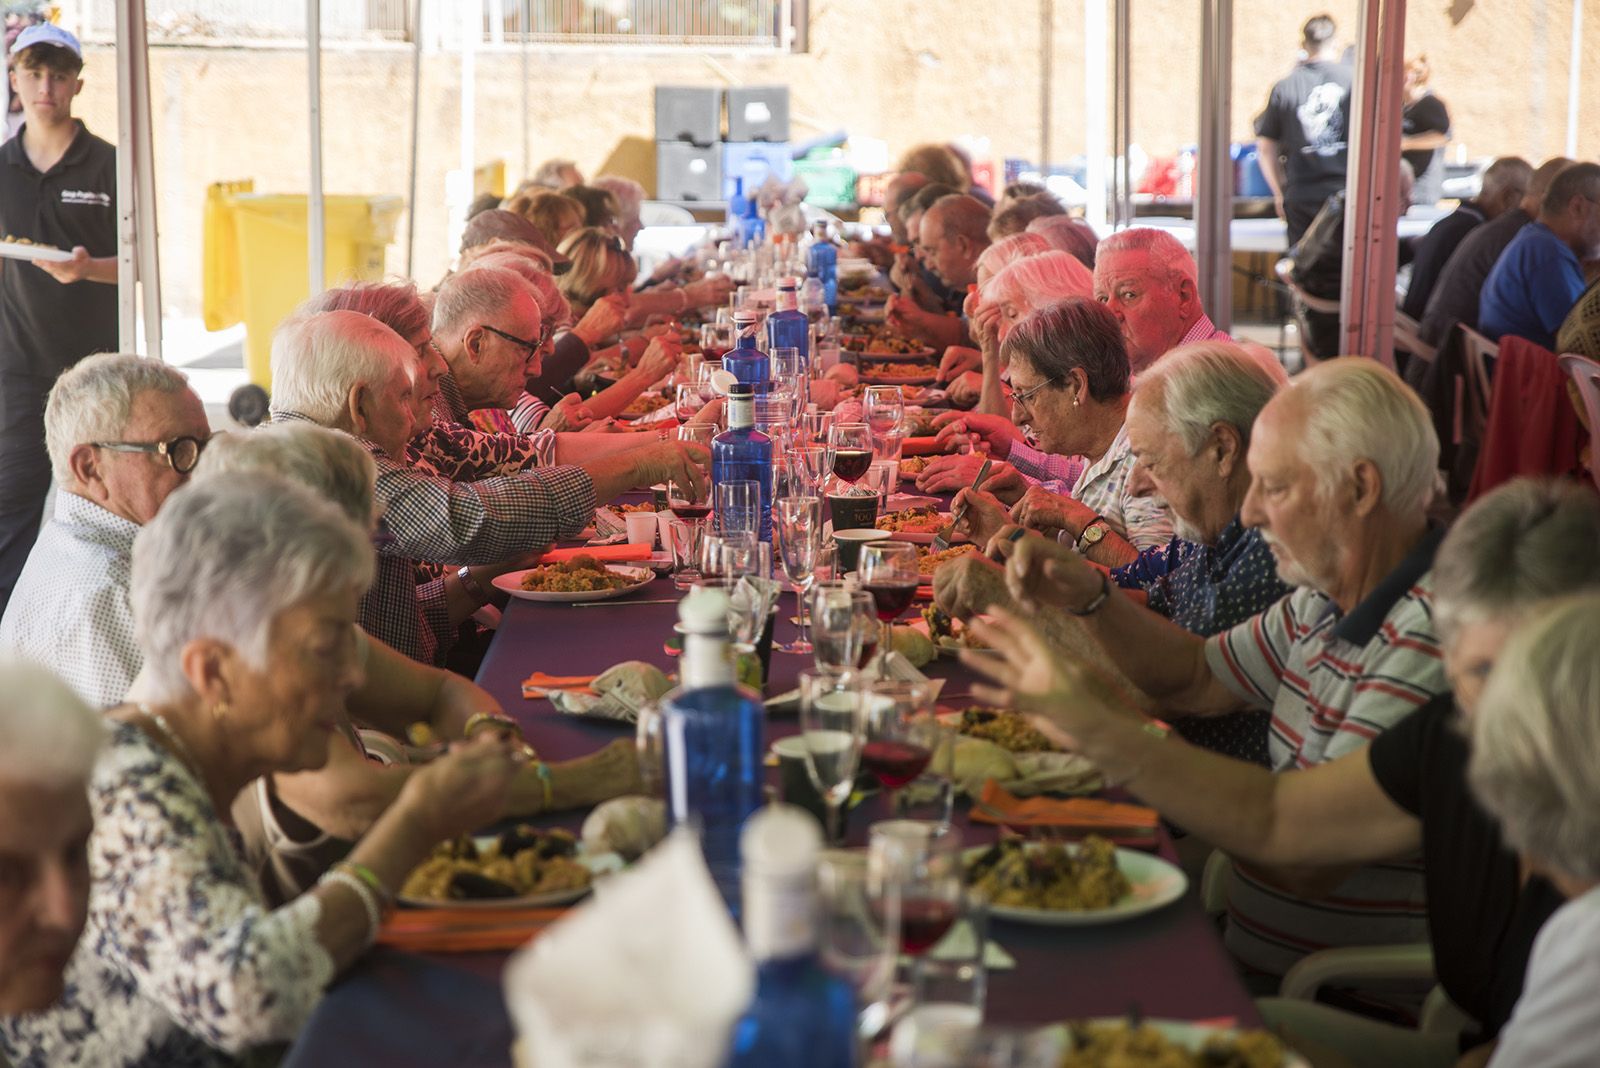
column 46, row 33
column 486, row 226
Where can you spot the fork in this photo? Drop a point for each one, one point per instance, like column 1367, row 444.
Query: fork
column 940, row 541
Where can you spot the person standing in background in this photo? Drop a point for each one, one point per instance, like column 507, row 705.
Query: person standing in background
column 58, row 186
column 1302, row 134
column 1424, row 131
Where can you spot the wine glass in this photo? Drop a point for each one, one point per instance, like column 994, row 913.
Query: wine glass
column 730, row 554
column 889, row 572
column 917, row 865
column 816, row 461
column 706, row 381
column 852, row 450
column 842, row 625
column 885, row 409
column 797, row 522
column 860, row 936
column 686, row 401
column 812, row 428
column 690, row 508
column 903, row 733
column 830, row 727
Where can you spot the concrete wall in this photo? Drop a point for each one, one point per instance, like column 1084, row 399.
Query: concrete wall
column 896, row 69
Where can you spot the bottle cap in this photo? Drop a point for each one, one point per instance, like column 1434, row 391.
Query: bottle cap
column 704, row 611
column 723, row 381
column 780, row 840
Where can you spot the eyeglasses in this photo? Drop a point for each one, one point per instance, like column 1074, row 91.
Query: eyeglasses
column 181, row 453
column 530, row 347
column 1024, row 397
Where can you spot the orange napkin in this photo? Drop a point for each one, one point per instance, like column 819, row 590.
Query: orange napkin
column 606, row 554
column 922, row 446
column 539, row 684
column 1115, row 820
column 924, row 593
column 464, row 930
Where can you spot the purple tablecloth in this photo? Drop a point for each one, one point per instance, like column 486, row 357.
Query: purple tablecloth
column 400, row 1009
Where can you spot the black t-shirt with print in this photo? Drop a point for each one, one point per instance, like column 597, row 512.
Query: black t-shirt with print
column 46, row 327
column 1308, row 114
column 1481, row 919
column 1427, row 115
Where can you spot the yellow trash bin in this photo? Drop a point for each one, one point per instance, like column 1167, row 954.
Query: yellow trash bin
column 270, row 232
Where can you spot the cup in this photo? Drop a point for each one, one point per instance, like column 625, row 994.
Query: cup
column 795, row 781
column 883, row 478
column 642, row 528
column 856, row 511
column 850, row 541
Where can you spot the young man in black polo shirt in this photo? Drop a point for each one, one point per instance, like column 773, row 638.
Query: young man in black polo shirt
column 58, row 186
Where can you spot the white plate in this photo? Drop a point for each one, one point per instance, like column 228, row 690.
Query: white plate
column 1190, row 1036
column 1156, row 884
column 599, row 865
column 12, row 251
column 511, row 582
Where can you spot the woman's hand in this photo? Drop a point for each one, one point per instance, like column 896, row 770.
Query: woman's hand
column 984, row 516
column 958, row 359
column 994, row 431
column 660, row 359
column 1041, row 573
column 946, row 474
column 603, row 319
column 966, row 390
column 709, row 292
column 1041, row 510
column 462, row 790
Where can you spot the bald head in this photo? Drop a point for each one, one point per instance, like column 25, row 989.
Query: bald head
column 900, row 188
column 953, row 234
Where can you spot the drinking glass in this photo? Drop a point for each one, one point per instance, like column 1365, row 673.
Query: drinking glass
column 885, row 409
column 860, row 937
column 797, row 523
column 852, row 450
column 686, row 401
column 817, row 463
column 812, row 427
column 705, row 381
column 731, row 555
column 691, row 508
column 902, row 733
column 789, row 478
column 883, row 477
column 918, row 865
column 739, row 506
column 830, row 726
column 786, row 362
column 889, row 572
column 843, row 627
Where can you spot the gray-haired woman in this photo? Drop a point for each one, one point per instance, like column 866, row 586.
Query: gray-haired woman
column 244, row 593
column 1536, row 768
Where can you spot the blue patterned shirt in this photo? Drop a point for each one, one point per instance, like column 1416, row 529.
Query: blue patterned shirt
column 1207, row 589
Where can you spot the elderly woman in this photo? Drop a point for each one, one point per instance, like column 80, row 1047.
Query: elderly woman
column 1069, row 376
column 49, row 740
column 959, row 359
column 245, row 593
column 1404, row 792
column 295, row 826
column 1536, row 768
column 554, row 215
column 602, row 266
column 1068, row 234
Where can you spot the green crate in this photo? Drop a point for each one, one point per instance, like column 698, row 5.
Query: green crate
column 829, row 184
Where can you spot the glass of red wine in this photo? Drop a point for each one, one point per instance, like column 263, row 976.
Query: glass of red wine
column 888, row 571
column 686, row 401
column 914, row 868
column 902, row 733
column 690, row 507
column 852, row 450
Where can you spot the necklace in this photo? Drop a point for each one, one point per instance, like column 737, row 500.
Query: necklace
column 179, row 748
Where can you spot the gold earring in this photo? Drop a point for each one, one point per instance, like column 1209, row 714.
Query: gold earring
column 220, row 709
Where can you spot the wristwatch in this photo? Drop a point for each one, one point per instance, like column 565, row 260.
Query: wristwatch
column 473, row 587
column 1096, row 529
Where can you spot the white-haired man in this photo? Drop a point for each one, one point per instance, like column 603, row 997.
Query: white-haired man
column 1342, row 472
column 49, row 741
column 122, row 432
column 630, row 201
column 347, row 371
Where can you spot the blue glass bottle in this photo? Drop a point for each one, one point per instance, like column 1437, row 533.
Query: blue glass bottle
column 823, row 263
column 802, row 1015
column 743, row 453
column 713, row 744
column 745, row 361
column 738, row 207
column 788, row 327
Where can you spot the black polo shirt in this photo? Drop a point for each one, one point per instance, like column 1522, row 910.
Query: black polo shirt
column 46, row 327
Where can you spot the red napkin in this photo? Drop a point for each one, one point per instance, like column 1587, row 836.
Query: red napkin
column 606, row 554
column 1116, row 820
column 464, row 930
column 923, row 446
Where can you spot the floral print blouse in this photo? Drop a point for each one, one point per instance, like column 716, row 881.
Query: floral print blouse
column 180, row 964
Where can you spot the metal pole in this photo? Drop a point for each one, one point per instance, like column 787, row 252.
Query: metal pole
column 1047, row 49
column 1096, row 39
column 127, row 195
column 1122, row 119
column 146, row 246
column 315, row 222
column 525, row 17
column 1574, row 79
column 1213, row 202
column 416, row 127
column 1372, row 184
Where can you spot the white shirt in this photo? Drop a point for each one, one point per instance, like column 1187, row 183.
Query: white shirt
column 1557, row 1020
column 69, row 610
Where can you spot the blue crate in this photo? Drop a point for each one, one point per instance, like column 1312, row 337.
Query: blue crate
column 754, row 161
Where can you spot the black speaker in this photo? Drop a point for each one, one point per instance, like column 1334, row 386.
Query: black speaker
column 688, row 172
column 758, row 113
column 688, row 113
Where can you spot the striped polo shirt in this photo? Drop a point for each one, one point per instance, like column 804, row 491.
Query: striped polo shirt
column 1333, row 683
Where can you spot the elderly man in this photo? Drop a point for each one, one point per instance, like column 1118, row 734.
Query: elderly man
column 951, row 234
column 1505, row 183
column 49, row 740
column 1455, row 296
column 1539, row 277
column 346, row 371
column 122, row 433
column 1188, row 428
column 1406, row 792
column 1342, row 472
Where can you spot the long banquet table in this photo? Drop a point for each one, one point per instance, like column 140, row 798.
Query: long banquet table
column 400, row 1009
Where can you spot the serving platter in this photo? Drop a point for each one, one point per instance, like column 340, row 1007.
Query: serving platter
column 639, row 578
column 1156, row 884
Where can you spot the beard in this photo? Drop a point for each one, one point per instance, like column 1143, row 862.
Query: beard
column 1292, row 572
column 1188, row 531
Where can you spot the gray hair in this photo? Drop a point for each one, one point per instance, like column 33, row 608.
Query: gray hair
column 1165, row 251
column 468, row 298
column 1075, row 334
column 1524, row 542
column 394, row 304
column 225, row 557
column 319, row 359
column 1536, row 739
column 48, row 735
column 331, row 464
column 93, row 401
column 1578, row 180
column 1209, row 382
column 629, row 193
column 553, row 306
column 1357, row 409
column 1008, row 250
column 1040, row 280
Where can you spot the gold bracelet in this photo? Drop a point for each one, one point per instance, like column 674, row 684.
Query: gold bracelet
column 499, row 719
column 541, row 769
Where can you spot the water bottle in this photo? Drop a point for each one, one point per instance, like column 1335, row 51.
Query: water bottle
column 823, row 262
column 745, row 361
column 712, row 740
column 743, row 453
column 788, row 327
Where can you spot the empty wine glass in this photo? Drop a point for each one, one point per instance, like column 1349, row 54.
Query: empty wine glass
column 852, row 450
column 686, row 401
column 889, row 572
column 812, row 427
column 797, row 522
column 885, row 409
column 830, row 727
column 816, row 461
column 843, row 627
